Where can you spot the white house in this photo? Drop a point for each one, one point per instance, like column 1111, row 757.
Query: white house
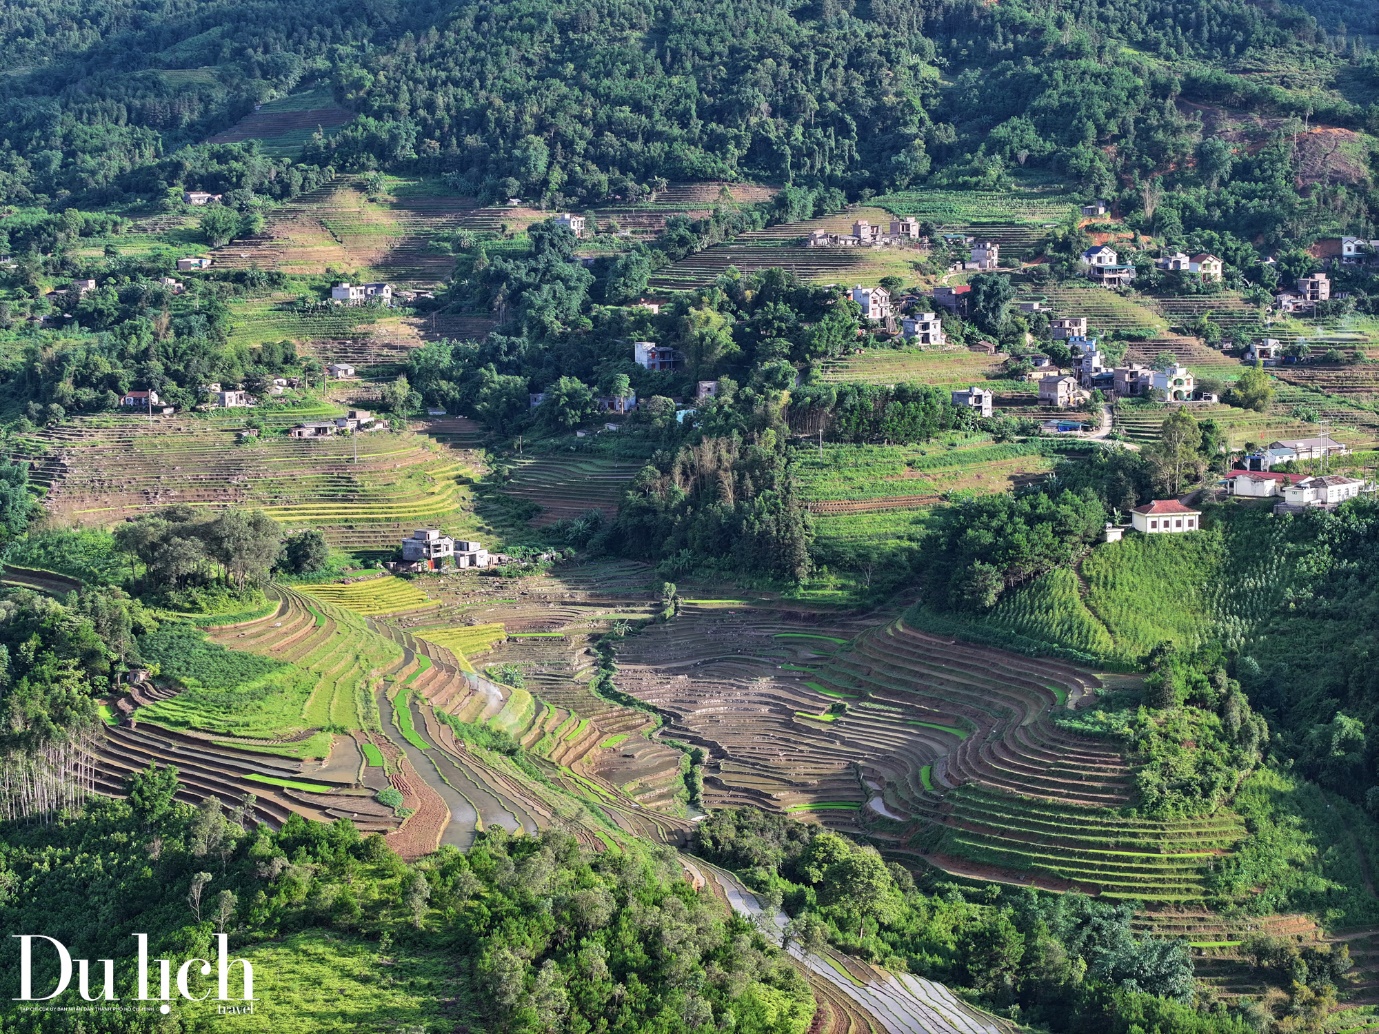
column 469, row 553
column 1266, row 351
column 1310, row 448
column 199, row 197
column 705, row 390
column 976, row 398
column 1099, row 255
column 1165, row 516
column 361, row 294
column 1174, row 261
column 196, row 262
column 1097, row 207
column 233, row 399
column 1326, row 491
column 140, row 399
column 340, row 370
column 1256, row 484
column 1071, row 327
column 1357, row 249
column 924, row 328
column 1176, row 383
column 651, row 356
column 1089, row 364
column 573, row 223
column 905, row 226
column 986, row 255
column 1207, row 266
column 1103, row 265
column 429, row 547
column 875, row 302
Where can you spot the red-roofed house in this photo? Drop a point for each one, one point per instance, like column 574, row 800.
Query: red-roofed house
column 1165, row 515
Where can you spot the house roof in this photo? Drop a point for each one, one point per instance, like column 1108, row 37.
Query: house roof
column 1262, row 475
column 1307, row 443
column 1099, row 248
column 1328, row 481
column 1203, row 256
column 1162, row 506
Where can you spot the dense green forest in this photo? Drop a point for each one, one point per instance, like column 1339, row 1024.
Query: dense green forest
column 617, row 98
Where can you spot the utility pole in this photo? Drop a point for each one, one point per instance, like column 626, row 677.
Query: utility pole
column 1324, row 424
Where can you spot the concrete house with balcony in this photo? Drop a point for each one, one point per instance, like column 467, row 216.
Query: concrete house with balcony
column 1176, row 383
column 923, row 328
column 1059, row 392
column 1069, row 327
column 875, row 302
column 974, row 398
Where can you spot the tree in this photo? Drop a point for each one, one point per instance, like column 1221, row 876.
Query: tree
column 1253, row 390
column 989, row 300
column 1177, row 454
column 416, row 897
column 225, row 904
column 151, row 793
column 16, row 504
column 399, row 398
column 218, row 225
column 304, row 553
column 569, row 402
column 198, row 887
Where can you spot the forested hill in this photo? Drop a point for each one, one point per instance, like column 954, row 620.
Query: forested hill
column 570, row 101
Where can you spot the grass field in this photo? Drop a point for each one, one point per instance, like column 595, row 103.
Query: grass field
column 329, row 983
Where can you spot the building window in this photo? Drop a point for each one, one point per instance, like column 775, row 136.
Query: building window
column 1178, row 523
column 1153, row 525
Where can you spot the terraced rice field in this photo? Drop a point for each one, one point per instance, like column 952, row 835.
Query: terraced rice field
column 371, row 596
column 99, row 472
column 338, row 227
column 1197, row 357
column 944, row 751
column 570, row 486
column 783, row 246
column 323, row 663
column 695, row 200
column 465, row 641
